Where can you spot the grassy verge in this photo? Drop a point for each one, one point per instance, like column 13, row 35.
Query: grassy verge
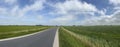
column 67, row 40
column 99, row 36
column 14, row 31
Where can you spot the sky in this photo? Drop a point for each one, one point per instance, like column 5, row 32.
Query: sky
column 60, row 12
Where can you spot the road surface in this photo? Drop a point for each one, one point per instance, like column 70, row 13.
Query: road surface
column 42, row 39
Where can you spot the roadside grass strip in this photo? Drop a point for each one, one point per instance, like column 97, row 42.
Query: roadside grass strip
column 92, row 42
column 5, row 35
column 68, row 40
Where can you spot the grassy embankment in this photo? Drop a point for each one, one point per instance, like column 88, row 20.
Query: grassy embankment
column 94, row 36
column 13, row 31
column 68, row 40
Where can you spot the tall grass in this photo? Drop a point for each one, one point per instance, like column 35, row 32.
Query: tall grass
column 68, row 40
column 99, row 36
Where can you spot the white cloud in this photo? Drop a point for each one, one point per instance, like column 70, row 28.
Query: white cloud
column 70, row 10
column 40, row 17
column 38, row 5
column 112, row 19
column 17, row 11
column 3, row 11
column 14, row 11
column 115, row 2
column 74, row 6
column 16, row 15
column 10, row 1
column 116, row 8
column 63, row 19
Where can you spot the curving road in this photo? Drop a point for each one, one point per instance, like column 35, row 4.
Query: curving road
column 42, row 39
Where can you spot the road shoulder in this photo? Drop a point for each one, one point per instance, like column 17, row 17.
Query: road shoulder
column 56, row 39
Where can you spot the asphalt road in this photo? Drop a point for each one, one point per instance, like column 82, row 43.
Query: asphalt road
column 42, row 39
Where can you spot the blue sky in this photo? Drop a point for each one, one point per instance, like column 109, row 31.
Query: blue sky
column 59, row 12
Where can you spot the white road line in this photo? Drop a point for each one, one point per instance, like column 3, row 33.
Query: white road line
column 56, row 39
column 21, row 36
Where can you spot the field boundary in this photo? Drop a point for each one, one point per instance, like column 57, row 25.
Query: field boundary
column 22, row 35
column 56, row 39
column 26, row 30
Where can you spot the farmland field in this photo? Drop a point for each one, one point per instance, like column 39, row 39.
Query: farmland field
column 91, row 36
column 13, row 31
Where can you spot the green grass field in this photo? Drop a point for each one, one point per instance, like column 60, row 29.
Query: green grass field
column 67, row 40
column 13, row 31
column 95, row 36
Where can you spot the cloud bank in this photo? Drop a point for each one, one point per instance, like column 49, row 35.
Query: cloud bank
column 68, row 12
